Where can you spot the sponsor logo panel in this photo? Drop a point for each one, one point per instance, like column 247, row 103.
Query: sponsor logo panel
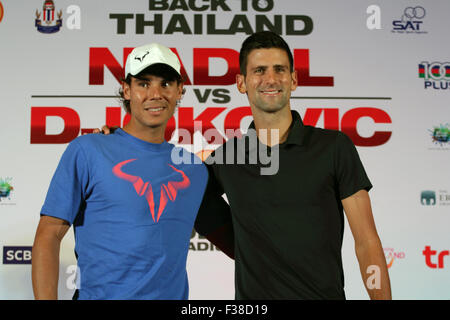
column 440, row 197
column 440, row 137
column 6, row 191
column 48, row 20
column 393, row 255
column 17, row 255
column 436, row 259
column 435, row 75
column 411, row 21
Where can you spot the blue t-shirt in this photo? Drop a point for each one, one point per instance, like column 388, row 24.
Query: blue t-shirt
column 133, row 211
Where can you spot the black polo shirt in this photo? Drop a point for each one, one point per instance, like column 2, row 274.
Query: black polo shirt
column 288, row 227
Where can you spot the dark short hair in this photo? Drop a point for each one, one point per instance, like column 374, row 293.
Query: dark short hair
column 263, row 40
column 160, row 70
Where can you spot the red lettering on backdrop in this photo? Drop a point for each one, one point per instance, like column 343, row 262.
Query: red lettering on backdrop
column 330, row 115
column 428, row 253
column 102, row 57
column 349, row 122
column 183, row 72
column 350, row 119
column 113, row 116
column 301, row 60
column 201, row 66
column 39, row 120
column 233, row 120
column 186, row 121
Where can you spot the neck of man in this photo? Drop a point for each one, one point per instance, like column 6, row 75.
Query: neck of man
column 265, row 122
column 149, row 134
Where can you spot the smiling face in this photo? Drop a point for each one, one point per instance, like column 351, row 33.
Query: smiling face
column 269, row 80
column 152, row 101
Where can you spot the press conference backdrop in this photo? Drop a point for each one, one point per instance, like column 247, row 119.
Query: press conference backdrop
column 377, row 70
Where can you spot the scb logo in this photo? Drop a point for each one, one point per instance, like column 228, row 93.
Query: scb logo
column 17, row 255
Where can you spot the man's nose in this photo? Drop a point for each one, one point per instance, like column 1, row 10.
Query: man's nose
column 270, row 77
column 154, row 92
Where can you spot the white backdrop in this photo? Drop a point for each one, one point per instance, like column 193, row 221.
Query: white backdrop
column 389, row 58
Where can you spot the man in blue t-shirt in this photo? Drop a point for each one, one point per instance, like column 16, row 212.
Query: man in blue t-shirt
column 132, row 207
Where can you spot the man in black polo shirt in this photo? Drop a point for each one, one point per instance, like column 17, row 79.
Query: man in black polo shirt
column 285, row 230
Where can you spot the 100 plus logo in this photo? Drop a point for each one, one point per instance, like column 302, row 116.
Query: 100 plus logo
column 436, row 75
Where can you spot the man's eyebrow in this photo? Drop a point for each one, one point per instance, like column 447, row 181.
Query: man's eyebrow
column 259, row 67
column 149, row 79
column 274, row 66
column 141, row 79
column 281, row 66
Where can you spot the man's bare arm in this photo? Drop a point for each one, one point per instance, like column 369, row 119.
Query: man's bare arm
column 368, row 247
column 45, row 257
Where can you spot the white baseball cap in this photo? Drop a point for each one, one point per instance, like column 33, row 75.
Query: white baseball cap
column 150, row 54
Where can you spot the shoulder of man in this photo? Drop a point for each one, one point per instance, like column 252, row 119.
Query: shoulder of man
column 218, row 156
column 319, row 135
column 92, row 139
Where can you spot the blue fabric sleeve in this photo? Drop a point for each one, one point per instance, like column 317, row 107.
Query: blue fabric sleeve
column 66, row 194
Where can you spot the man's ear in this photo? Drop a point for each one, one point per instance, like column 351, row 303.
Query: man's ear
column 126, row 90
column 240, row 83
column 294, row 80
column 181, row 91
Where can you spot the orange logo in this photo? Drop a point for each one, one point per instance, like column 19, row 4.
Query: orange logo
column 167, row 191
column 391, row 255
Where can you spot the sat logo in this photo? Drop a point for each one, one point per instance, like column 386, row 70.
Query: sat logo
column 411, row 21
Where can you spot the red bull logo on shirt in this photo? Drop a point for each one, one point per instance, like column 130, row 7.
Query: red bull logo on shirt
column 168, row 191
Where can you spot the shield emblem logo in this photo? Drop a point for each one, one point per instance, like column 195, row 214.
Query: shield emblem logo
column 49, row 23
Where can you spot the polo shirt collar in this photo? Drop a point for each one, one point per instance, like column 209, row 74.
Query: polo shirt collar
column 296, row 134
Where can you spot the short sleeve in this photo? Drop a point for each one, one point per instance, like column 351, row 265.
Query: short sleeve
column 350, row 174
column 66, row 193
column 214, row 211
